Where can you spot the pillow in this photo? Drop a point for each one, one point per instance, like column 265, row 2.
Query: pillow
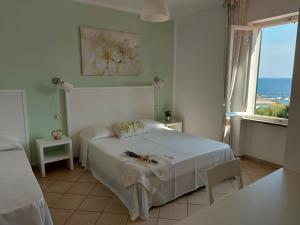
column 152, row 124
column 9, row 143
column 97, row 131
column 129, row 128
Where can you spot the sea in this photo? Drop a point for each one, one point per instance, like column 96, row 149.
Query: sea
column 278, row 89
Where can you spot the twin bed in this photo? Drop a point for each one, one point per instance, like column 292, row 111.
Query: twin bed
column 21, row 198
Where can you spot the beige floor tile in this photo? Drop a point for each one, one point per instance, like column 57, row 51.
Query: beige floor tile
column 51, row 198
column 198, row 197
column 249, row 164
column 112, row 219
column 78, row 167
column 81, row 188
column 54, row 173
column 87, row 192
column 68, row 201
column 259, row 171
column 223, row 188
column 70, row 176
column 181, row 200
column 93, row 203
column 166, row 222
column 100, row 190
column 150, row 221
column 116, row 206
column 59, row 187
column 153, row 212
column 87, row 177
column 44, row 184
column 270, row 168
column 83, row 218
column 173, row 211
column 60, row 216
column 194, row 208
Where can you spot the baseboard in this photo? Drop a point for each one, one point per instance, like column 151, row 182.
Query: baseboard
column 264, row 162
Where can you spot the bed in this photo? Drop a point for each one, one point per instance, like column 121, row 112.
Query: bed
column 21, row 199
column 103, row 153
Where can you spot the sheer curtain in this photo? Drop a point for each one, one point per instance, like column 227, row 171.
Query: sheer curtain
column 236, row 70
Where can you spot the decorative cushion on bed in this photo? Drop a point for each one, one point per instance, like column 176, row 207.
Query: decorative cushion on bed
column 129, row 128
column 8, row 143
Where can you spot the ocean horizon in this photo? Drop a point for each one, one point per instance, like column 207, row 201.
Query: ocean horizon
column 277, row 88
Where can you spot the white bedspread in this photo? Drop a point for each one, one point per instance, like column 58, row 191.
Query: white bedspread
column 191, row 157
column 21, row 199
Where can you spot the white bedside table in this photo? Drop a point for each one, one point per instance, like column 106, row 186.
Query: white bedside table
column 173, row 124
column 49, row 155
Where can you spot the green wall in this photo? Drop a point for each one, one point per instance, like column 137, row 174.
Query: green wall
column 40, row 40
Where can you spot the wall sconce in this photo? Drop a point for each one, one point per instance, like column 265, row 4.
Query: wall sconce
column 158, row 83
column 65, row 85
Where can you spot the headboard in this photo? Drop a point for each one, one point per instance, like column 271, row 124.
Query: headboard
column 13, row 116
column 89, row 106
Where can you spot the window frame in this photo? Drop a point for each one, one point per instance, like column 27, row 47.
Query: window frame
column 253, row 76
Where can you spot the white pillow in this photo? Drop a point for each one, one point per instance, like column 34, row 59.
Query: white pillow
column 9, row 143
column 152, row 124
column 129, row 128
column 97, row 131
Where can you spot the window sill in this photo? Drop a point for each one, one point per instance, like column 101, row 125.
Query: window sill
column 266, row 120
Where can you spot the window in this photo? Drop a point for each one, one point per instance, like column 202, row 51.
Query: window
column 260, row 69
column 275, row 70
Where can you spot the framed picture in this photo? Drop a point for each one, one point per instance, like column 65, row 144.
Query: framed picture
column 106, row 52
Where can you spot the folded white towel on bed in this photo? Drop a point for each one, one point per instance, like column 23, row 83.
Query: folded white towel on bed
column 149, row 175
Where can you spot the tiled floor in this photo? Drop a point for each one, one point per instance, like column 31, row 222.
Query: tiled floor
column 76, row 198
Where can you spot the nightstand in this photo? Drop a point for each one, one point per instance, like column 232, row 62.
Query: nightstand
column 174, row 125
column 46, row 153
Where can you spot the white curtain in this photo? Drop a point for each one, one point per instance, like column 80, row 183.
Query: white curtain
column 236, row 16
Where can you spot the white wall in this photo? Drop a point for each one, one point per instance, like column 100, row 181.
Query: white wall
column 292, row 148
column 263, row 141
column 199, row 72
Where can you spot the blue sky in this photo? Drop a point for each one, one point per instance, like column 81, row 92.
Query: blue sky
column 278, row 51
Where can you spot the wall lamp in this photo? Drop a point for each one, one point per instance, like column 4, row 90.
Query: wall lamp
column 158, row 83
column 65, row 85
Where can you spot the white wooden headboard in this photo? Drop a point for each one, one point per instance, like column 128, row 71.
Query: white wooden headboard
column 13, row 116
column 89, row 106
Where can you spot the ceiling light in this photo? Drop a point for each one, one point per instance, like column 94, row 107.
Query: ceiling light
column 155, row 11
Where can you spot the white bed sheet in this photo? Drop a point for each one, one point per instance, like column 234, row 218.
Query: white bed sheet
column 21, row 199
column 191, row 157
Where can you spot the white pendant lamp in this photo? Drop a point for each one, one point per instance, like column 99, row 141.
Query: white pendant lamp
column 155, row 11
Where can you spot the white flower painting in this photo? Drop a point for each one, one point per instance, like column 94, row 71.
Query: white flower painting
column 105, row 52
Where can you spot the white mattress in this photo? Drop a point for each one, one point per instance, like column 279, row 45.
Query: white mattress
column 21, row 199
column 191, row 157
